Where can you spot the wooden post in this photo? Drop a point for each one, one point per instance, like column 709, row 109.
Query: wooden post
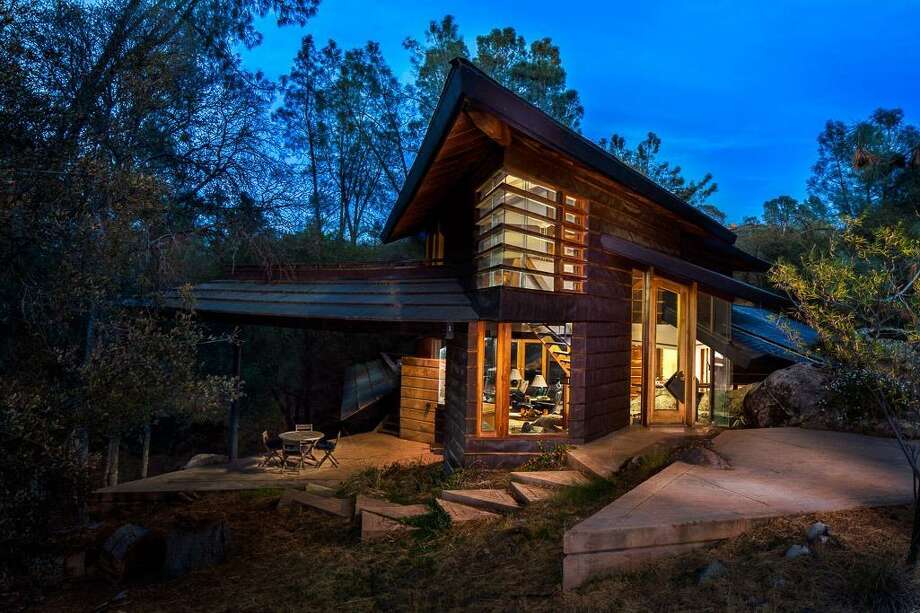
column 649, row 312
column 234, row 413
column 111, row 463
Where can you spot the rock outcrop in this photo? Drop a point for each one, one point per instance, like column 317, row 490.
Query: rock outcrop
column 788, row 397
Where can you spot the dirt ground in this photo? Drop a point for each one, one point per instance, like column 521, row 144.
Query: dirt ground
column 303, row 560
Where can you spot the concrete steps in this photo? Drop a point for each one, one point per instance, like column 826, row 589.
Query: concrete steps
column 341, row 507
column 487, row 499
column 462, row 513
column 388, row 509
column 529, row 494
column 552, row 479
column 606, row 456
column 376, row 527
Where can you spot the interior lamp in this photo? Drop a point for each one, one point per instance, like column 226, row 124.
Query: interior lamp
column 515, row 378
column 539, row 383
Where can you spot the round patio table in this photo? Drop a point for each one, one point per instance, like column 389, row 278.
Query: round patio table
column 306, row 439
column 301, row 436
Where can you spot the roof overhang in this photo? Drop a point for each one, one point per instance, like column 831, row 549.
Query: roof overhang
column 466, row 82
column 388, row 300
column 771, row 334
column 682, row 270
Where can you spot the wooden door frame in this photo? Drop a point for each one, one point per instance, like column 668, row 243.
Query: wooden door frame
column 686, row 318
column 503, row 384
column 502, row 377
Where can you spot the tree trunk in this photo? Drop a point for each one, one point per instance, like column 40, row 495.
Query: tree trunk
column 145, row 454
column 111, row 461
column 82, row 432
column 233, row 425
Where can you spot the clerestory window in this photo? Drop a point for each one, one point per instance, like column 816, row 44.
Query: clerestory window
column 530, row 235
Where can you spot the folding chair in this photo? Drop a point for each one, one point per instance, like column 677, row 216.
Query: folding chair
column 303, row 427
column 291, row 450
column 329, row 447
column 272, row 447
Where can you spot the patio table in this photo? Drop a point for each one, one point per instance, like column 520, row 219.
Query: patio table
column 307, row 439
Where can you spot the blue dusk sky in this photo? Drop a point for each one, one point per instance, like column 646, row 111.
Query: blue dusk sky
column 738, row 89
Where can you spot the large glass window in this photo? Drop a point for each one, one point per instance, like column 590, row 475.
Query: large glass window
column 713, row 370
column 534, row 362
column 529, row 235
column 722, row 385
column 669, row 382
column 539, row 370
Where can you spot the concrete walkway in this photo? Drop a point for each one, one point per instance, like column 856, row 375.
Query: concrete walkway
column 776, row 471
column 605, row 456
column 354, row 453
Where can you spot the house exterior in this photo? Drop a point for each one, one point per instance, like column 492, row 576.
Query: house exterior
column 563, row 295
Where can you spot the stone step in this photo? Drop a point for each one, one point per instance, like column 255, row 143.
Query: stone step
column 529, row 494
column 388, row 509
column 461, row 513
column 342, row 507
column 553, row 479
column 375, row 527
column 490, row 500
column 319, row 490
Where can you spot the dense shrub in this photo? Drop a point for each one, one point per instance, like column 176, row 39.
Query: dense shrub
column 42, row 480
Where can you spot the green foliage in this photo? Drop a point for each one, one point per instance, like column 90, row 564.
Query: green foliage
column 143, row 368
column 788, row 230
column 42, row 478
column 553, row 457
column 417, row 482
column 400, row 483
column 532, row 71
column 881, row 584
column 134, row 151
column 863, row 299
column 346, row 122
column 871, row 169
column 644, row 158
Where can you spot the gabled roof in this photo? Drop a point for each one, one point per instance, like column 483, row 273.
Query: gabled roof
column 466, row 82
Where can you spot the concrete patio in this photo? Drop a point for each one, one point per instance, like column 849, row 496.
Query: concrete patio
column 605, row 456
column 776, row 472
column 354, row 453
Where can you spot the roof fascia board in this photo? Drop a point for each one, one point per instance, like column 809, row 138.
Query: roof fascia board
column 677, row 267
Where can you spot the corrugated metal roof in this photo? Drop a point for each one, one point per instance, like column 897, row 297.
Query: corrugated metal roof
column 764, row 331
column 398, row 300
column 365, row 384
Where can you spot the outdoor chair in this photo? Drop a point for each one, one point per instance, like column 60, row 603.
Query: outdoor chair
column 303, row 427
column 291, row 453
column 328, row 446
column 272, row 445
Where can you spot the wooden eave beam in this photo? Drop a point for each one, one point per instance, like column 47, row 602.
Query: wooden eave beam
column 491, row 126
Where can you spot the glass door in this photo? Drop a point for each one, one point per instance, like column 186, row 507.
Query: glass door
column 669, row 359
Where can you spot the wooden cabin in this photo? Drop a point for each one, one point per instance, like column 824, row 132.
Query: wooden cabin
column 563, row 295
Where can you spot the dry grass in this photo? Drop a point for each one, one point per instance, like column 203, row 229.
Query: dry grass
column 307, row 561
